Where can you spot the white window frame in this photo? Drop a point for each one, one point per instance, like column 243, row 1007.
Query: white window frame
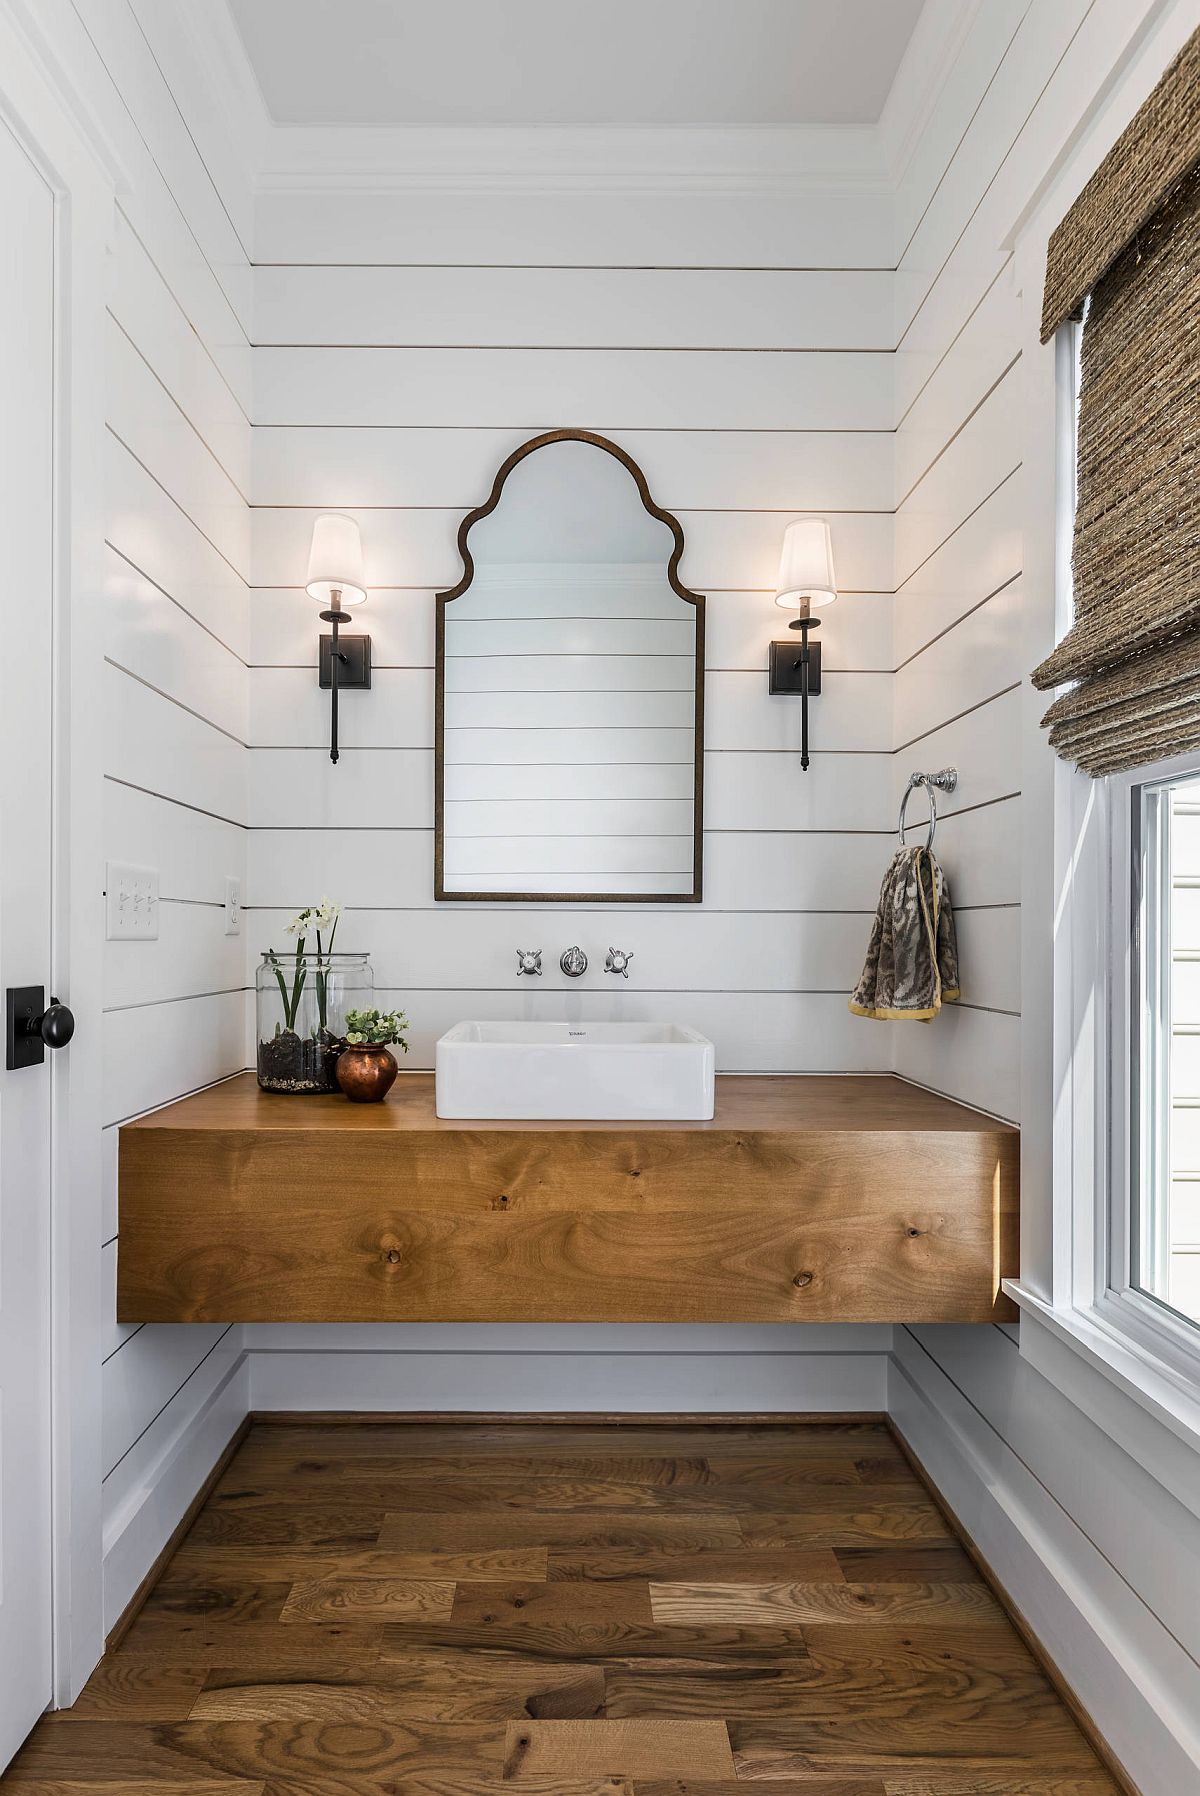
column 1136, row 957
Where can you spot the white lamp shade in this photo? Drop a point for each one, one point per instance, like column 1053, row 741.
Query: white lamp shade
column 806, row 564
column 335, row 560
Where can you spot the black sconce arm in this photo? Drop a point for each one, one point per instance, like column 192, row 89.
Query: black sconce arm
column 798, row 670
column 344, row 665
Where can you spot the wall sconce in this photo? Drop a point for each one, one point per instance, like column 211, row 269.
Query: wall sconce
column 335, row 578
column 805, row 574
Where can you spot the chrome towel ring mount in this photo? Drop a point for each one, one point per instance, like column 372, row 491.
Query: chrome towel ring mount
column 945, row 780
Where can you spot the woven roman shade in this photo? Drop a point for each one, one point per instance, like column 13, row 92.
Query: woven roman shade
column 1130, row 246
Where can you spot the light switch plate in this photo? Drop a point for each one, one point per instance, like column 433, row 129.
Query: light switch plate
column 131, row 902
column 233, row 904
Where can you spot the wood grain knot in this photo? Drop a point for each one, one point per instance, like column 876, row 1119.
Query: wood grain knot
column 802, row 1280
column 392, row 1256
column 912, row 1232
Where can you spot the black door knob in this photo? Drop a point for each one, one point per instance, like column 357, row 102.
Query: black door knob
column 56, row 1026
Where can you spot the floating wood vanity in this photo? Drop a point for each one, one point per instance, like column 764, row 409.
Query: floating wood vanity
column 847, row 1199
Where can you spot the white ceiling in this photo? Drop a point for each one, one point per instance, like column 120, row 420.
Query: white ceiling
column 574, row 62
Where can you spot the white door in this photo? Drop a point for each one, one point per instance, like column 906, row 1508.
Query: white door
column 26, row 535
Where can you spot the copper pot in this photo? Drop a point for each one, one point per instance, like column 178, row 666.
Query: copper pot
column 366, row 1071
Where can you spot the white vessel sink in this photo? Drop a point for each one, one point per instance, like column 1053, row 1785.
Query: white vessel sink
column 585, row 1072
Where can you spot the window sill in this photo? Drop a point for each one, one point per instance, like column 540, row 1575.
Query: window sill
column 1150, row 1408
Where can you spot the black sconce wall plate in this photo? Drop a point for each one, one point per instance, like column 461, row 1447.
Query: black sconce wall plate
column 784, row 668
column 354, row 674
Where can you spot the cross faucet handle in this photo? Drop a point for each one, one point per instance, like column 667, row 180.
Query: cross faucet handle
column 529, row 960
column 617, row 961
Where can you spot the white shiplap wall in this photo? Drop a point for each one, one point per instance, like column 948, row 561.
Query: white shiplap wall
column 176, row 638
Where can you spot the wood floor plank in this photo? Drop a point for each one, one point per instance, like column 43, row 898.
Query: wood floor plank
column 362, row 1499
column 916, row 1605
column 182, row 1592
column 138, row 1690
column 253, row 1563
column 547, row 1605
column 605, row 1640
column 885, row 1468
column 714, row 1691
column 720, row 1566
column 821, row 1687
column 820, row 1786
column 679, row 1749
column 997, row 1648
column 332, row 1469
column 252, row 1644
column 469, row 1530
column 925, row 1562
column 1018, row 1730
column 869, row 1522
column 369, row 1752
column 999, row 1783
column 86, row 1785
column 368, row 1599
column 580, row 1609
column 279, row 1522
column 787, row 1471
column 418, row 1687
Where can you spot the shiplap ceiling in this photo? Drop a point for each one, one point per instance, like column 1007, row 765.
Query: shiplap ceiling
column 564, row 62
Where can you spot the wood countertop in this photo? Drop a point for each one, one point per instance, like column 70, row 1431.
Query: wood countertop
column 858, row 1199
column 765, row 1103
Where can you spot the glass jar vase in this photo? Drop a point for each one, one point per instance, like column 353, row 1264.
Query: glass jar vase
column 301, row 1002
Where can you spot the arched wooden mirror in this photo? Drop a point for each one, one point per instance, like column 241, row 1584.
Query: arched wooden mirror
column 570, row 690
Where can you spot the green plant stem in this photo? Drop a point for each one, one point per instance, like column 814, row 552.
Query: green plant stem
column 297, row 984
column 279, row 981
column 322, row 977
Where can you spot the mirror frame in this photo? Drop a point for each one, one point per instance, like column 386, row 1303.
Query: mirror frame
column 695, row 896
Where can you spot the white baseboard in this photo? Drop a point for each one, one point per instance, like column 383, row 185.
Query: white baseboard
column 558, row 1379
column 151, row 1510
column 1127, row 1672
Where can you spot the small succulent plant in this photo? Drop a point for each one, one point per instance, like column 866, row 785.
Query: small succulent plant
column 374, row 1028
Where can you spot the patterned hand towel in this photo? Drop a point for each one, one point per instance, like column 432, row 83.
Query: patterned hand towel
column 912, row 962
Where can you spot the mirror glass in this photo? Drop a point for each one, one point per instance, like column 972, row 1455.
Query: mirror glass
column 569, row 671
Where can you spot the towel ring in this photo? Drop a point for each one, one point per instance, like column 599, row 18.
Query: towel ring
column 943, row 781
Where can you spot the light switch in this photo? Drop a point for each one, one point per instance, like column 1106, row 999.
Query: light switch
column 233, row 904
column 131, row 902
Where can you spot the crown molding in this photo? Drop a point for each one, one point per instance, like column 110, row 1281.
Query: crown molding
column 933, row 49
column 220, row 62
column 46, row 42
column 526, row 158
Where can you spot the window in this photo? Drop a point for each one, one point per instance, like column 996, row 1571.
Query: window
column 1163, row 1225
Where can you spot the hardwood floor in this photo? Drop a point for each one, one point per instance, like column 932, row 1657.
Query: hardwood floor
column 567, row 1610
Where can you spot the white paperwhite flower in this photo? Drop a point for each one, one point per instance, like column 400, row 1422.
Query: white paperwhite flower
column 326, row 914
column 300, row 922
